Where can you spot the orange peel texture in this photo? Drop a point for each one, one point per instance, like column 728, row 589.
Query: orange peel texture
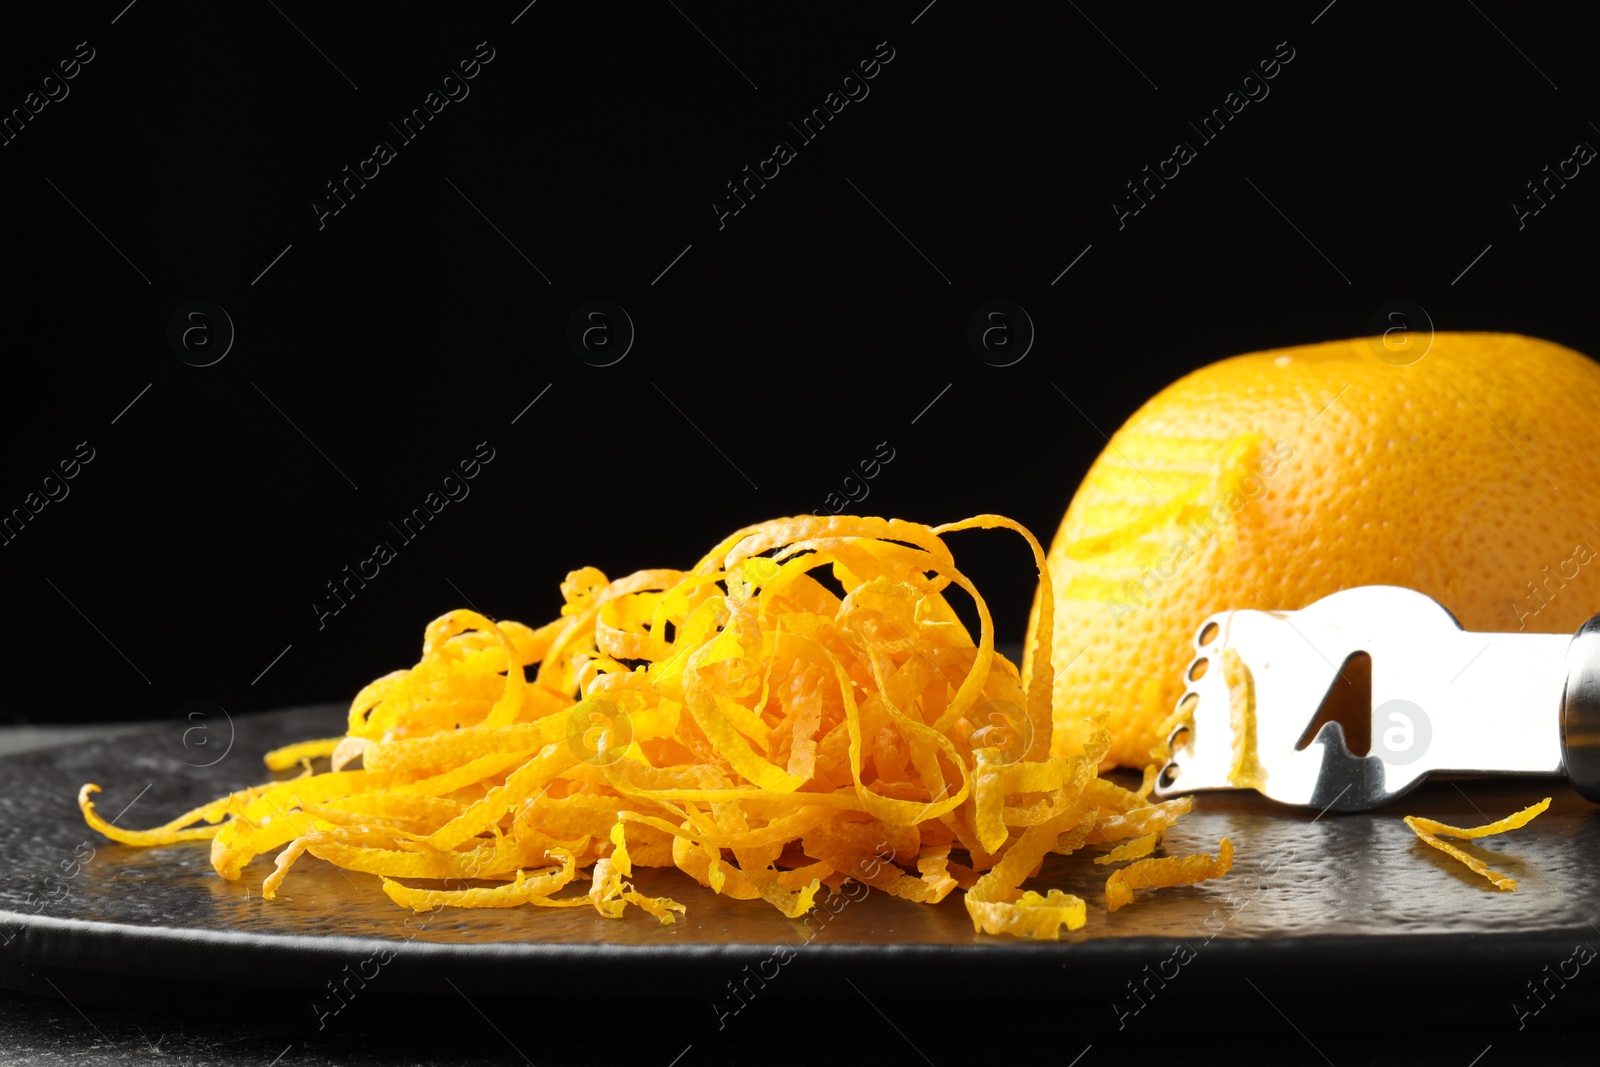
column 1273, row 479
column 802, row 706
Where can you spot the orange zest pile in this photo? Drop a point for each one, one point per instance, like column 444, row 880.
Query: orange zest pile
column 739, row 721
column 1431, row 832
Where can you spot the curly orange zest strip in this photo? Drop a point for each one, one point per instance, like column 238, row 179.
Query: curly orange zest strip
column 1430, row 832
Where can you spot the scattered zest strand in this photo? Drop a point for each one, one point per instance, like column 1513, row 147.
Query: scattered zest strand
column 1431, row 832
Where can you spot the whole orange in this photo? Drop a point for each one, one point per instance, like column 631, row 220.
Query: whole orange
column 1269, row 480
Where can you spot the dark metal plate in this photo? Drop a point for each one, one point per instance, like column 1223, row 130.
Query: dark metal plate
column 1313, row 902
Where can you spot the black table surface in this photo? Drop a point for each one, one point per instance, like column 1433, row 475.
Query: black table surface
column 1337, row 938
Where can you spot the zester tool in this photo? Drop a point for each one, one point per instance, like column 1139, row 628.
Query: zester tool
column 1443, row 700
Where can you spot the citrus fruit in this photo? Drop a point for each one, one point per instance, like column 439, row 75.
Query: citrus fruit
column 1470, row 473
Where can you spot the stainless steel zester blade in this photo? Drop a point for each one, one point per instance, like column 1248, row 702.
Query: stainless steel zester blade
column 1444, row 699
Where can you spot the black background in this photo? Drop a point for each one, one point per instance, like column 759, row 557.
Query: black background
column 824, row 318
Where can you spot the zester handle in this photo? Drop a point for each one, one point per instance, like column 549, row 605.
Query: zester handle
column 1580, row 711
